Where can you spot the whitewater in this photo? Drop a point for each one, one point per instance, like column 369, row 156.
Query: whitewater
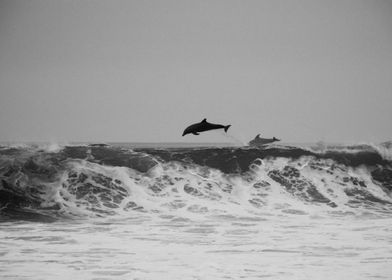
column 138, row 211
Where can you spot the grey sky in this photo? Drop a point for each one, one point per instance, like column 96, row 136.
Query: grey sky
column 144, row 70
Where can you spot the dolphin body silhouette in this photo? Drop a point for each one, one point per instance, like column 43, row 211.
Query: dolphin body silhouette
column 258, row 141
column 203, row 126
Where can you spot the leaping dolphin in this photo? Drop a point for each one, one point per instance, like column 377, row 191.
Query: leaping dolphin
column 203, row 126
column 258, row 141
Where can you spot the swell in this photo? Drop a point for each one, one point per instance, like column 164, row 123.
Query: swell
column 99, row 180
column 237, row 160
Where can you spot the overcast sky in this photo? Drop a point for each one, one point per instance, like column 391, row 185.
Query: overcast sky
column 141, row 71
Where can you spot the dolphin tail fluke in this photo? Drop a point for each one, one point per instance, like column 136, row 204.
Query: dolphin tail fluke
column 227, row 127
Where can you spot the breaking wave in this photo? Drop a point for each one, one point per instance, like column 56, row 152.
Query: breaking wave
column 50, row 183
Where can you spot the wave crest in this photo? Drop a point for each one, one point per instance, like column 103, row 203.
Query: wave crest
column 85, row 181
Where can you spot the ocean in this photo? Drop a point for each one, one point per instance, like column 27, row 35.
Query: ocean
column 187, row 211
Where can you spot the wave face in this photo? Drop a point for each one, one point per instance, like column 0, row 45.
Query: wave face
column 103, row 180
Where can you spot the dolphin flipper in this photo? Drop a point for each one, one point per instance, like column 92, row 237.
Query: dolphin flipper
column 195, row 133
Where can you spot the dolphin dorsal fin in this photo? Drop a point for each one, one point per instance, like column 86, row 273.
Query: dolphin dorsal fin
column 204, row 120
